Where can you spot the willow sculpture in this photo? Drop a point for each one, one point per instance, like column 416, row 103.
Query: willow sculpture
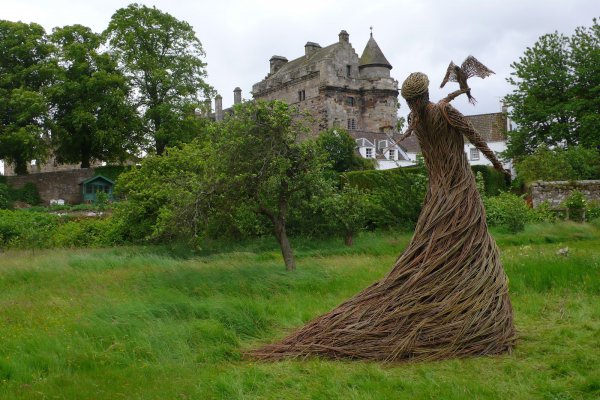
column 469, row 68
column 447, row 294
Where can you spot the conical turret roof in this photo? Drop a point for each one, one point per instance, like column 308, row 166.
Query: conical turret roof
column 373, row 56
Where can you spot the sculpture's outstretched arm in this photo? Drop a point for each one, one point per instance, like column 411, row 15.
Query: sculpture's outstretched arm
column 455, row 94
column 464, row 126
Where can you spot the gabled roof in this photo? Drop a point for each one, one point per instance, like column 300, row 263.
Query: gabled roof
column 302, row 61
column 373, row 56
column 492, row 126
column 97, row 177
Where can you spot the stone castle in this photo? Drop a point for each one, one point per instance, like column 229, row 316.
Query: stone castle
column 334, row 84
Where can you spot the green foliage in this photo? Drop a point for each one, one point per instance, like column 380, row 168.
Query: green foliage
column 543, row 213
column 26, row 229
column 111, row 172
column 576, row 163
column 340, row 150
column 397, row 194
column 26, row 70
column 102, row 200
column 349, row 209
column 556, row 99
column 30, row 194
column 92, row 116
column 162, row 59
column 507, row 211
column 576, row 203
column 593, row 210
column 166, row 196
column 27, row 194
column 494, row 181
column 87, row 232
column 5, row 201
column 143, row 321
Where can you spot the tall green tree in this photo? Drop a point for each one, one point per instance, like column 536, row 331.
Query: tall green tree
column 262, row 165
column 163, row 59
column 555, row 97
column 92, row 116
column 25, row 70
column 340, row 149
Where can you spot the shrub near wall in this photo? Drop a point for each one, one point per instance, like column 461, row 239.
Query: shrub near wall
column 494, row 181
column 397, row 194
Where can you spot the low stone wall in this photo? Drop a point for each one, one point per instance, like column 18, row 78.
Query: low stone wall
column 556, row 192
column 55, row 185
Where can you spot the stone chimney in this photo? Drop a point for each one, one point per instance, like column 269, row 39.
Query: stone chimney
column 218, row 108
column 237, row 95
column 277, row 62
column 207, row 107
column 344, row 37
column 310, row 48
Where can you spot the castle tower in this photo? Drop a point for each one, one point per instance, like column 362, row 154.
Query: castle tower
column 372, row 63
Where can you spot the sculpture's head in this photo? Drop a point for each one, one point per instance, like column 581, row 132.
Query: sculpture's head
column 415, row 90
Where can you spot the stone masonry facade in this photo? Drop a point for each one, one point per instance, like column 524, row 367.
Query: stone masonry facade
column 56, row 185
column 336, row 86
column 556, row 192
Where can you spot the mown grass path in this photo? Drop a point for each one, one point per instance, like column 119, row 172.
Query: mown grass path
column 146, row 323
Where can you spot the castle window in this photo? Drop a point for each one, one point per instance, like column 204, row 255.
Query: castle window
column 369, row 152
column 350, row 101
column 351, row 124
column 301, row 95
column 348, row 70
column 392, row 155
column 474, row 154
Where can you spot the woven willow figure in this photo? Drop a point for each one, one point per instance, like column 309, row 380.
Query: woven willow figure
column 447, row 294
column 469, row 68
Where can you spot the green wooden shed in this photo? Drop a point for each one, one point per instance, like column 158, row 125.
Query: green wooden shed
column 97, row 184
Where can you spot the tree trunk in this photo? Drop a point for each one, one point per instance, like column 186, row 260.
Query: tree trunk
column 348, row 239
column 284, row 244
column 85, row 160
column 20, row 166
column 160, row 147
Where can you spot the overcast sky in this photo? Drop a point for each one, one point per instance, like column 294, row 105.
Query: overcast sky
column 240, row 36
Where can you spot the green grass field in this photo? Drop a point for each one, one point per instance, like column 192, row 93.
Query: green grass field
column 150, row 323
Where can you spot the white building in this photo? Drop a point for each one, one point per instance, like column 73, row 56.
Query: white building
column 493, row 127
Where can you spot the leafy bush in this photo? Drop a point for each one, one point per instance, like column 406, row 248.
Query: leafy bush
column 4, row 197
column 576, row 204
column 112, row 172
column 542, row 213
column 27, row 194
column 576, row 163
column 397, row 194
column 593, row 210
column 494, row 181
column 86, row 232
column 26, row 229
column 507, row 211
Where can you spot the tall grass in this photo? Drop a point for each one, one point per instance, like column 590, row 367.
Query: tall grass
column 146, row 323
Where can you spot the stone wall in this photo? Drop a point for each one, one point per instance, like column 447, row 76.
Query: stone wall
column 556, row 192
column 56, row 185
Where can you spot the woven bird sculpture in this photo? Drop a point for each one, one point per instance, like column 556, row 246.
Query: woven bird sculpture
column 469, row 68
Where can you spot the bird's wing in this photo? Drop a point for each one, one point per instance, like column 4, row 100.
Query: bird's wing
column 450, row 74
column 472, row 67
